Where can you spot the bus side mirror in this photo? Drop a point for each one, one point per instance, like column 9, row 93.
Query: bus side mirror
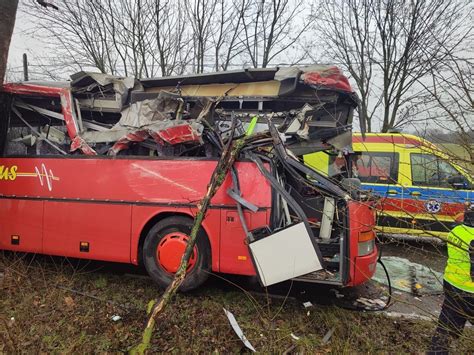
column 459, row 182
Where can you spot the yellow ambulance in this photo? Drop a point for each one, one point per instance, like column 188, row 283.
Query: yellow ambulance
column 421, row 190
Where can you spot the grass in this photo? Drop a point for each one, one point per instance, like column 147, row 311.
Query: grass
column 39, row 312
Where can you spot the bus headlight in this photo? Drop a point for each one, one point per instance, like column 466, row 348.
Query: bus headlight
column 366, row 243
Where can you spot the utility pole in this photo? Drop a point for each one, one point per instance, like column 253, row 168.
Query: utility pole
column 25, row 67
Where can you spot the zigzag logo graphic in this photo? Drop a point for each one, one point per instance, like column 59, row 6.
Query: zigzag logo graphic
column 45, row 176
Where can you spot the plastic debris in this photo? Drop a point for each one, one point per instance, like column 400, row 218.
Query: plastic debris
column 238, row 330
column 294, row 336
column 371, row 302
column 116, row 318
column 328, row 336
column 307, row 304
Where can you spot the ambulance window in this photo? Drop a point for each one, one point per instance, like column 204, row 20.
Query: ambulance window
column 380, row 168
column 429, row 170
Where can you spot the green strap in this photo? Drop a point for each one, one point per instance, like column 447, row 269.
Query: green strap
column 251, row 126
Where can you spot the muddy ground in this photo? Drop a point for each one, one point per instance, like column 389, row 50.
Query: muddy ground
column 60, row 305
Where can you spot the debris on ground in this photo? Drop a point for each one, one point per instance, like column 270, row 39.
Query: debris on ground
column 414, row 316
column 69, row 301
column 294, row 336
column 238, row 330
column 410, row 277
column 328, row 336
column 371, row 303
column 337, row 293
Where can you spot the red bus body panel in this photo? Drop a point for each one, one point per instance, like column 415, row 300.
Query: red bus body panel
column 53, row 204
column 361, row 219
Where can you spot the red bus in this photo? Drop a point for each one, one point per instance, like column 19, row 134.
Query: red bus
column 73, row 184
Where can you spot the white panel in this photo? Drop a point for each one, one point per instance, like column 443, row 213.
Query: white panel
column 284, row 255
column 327, row 219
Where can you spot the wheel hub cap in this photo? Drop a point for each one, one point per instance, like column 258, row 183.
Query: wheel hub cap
column 170, row 251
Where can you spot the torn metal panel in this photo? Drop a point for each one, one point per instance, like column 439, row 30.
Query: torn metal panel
column 230, row 76
column 105, row 136
column 167, row 132
column 238, row 330
column 91, row 81
column 78, row 143
column 324, row 183
column 56, row 115
column 145, row 112
column 179, row 132
column 102, row 92
column 327, row 77
column 299, row 126
column 65, row 96
column 342, row 142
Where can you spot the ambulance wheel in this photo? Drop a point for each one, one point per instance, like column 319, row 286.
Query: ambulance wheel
column 164, row 246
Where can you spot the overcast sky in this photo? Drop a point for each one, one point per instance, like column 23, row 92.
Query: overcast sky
column 22, row 42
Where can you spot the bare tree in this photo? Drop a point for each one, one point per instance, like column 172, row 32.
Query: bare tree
column 451, row 108
column 270, row 28
column 143, row 38
column 172, row 52
column 200, row 14
column 77, row 32
column 226, row 39
column 401, row 41
column 348, row 32
column 8, row 10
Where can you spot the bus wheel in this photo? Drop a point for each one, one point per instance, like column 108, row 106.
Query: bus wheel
column 164, row 246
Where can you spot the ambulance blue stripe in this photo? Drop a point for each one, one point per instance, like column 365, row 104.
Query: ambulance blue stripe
column 428, row 193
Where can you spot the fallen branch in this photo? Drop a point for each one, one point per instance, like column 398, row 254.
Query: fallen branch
column 228, row 157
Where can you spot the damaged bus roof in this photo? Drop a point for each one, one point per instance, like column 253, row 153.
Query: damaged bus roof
column 104, row 113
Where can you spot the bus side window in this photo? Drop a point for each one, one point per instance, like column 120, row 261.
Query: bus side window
column 380, row 168
column 21, row 140
column 429, row 170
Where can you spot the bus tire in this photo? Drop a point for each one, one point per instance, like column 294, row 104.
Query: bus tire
column 163, row 247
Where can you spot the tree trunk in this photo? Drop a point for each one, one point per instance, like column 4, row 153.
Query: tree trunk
column 8, row 10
